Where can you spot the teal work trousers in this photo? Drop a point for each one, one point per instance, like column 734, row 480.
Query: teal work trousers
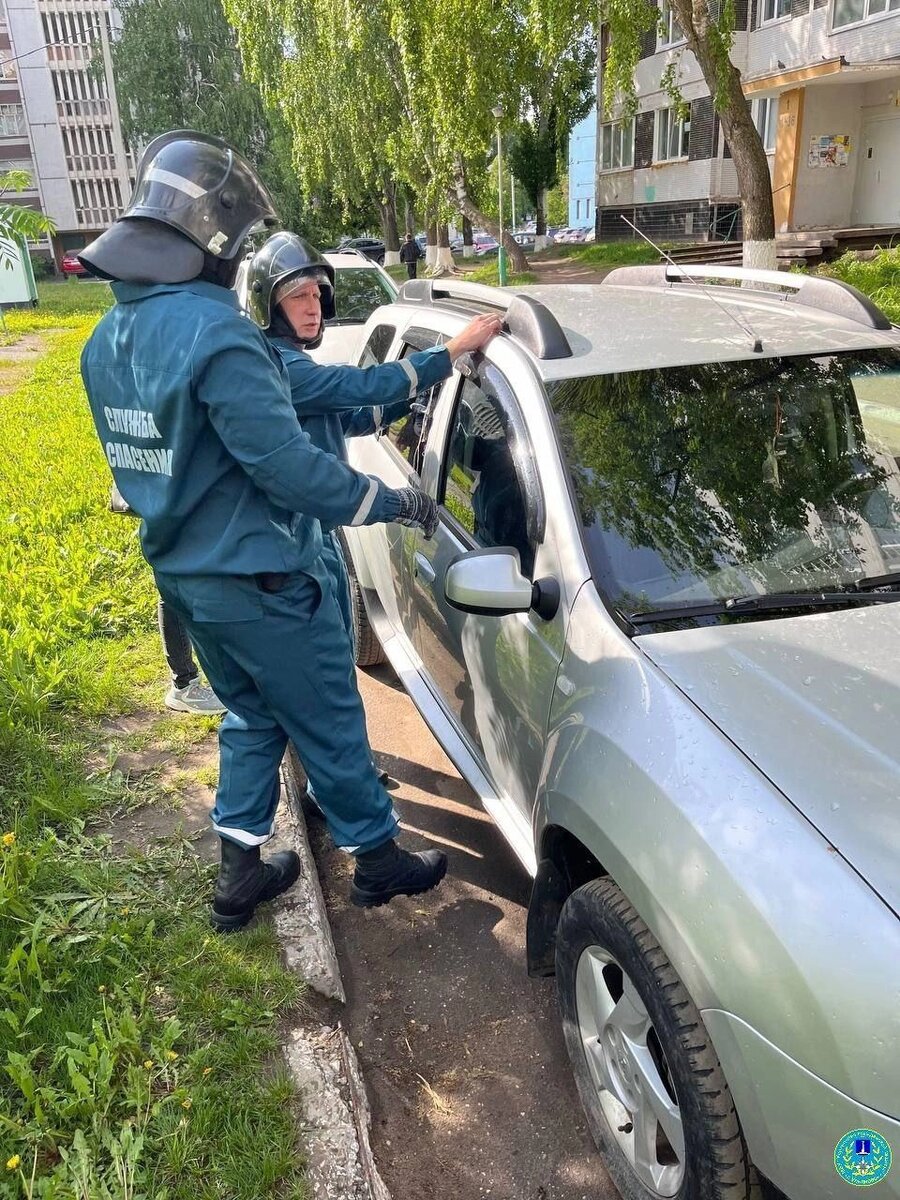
column 281, row 662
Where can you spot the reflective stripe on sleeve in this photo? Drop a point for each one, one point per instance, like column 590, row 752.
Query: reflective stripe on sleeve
column 410, row 371
column 377, row 415
column 365, row 508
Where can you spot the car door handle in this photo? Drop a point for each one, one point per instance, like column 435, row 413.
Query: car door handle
column 424, row 568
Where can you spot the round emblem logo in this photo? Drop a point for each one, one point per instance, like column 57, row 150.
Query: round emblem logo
column 862, row 1157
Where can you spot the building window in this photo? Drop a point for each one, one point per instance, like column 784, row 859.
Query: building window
column 774, row 10
column 617, row 145
column 12, row 120
column 670, row 32
column 765, row 118
column 850, row 12
column 19, row 164
column 673, row 135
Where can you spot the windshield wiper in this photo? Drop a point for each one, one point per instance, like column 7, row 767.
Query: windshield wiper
column 774, row 602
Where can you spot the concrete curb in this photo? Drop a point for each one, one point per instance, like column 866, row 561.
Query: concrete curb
column 300, row 917
column 325, row 1070
column 321, row 1060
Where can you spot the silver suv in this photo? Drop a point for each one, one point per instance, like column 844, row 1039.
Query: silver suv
column 657, row 632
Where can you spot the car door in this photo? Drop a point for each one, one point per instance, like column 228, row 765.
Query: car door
column 397, row 457
column 494, row 674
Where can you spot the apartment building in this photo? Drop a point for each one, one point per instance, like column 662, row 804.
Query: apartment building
column 66, row 113
column 15, row 144
column 823, row 78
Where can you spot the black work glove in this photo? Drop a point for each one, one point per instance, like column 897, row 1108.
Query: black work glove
column 416, row 509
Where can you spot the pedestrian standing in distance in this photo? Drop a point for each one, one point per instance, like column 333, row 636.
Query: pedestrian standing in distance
column 410, row 254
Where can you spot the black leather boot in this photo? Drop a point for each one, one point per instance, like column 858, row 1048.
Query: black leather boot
column 387, row 871
column 246, row 880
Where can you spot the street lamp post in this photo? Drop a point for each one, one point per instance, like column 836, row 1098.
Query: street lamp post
column 497, row 110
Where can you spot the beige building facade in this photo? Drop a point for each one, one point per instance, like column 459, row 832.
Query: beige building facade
column 67, row 114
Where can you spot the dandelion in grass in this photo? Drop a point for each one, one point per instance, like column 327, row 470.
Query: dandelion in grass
column 13, row 1164
column 148, row 1063
column 187, row 1102
column 171, row 1055
column 8, row 839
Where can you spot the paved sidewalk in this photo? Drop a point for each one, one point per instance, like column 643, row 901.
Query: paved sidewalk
column 462, row 1054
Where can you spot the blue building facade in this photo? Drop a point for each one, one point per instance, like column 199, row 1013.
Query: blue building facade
column 583, row 172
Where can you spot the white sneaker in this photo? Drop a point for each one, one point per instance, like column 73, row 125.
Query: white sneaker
column 195, row 697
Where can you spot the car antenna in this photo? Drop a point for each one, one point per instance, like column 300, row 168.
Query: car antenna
column 745, row 328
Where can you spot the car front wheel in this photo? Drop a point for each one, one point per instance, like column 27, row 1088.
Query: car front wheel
column 655, row 1097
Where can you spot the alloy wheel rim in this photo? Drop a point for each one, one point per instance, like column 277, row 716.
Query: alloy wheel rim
column 629, row 1072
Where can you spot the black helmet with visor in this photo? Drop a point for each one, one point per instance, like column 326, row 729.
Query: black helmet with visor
column 194, row 197
column 282, row 266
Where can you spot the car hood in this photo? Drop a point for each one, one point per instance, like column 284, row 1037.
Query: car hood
column 340, row 344
column 814, row 703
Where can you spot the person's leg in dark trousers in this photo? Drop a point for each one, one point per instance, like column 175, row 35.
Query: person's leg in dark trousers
column 187, row 693
column 412, row 269
column 281, row 663
column 176, row 645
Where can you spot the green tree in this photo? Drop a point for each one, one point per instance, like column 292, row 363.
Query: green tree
column 403, row 86
column 557, row 57
column 177, row 66
column 708, row 28
column 558, row 202
column 17, row 222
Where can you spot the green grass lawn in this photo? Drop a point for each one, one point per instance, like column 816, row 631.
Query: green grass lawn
column 878, row 277
column 138, row 1052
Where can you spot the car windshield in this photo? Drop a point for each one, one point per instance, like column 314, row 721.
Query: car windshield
column 358, row 291
column 714, row 482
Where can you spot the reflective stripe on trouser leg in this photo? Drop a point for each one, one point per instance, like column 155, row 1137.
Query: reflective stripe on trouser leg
column 283, row 666
column 251, row 742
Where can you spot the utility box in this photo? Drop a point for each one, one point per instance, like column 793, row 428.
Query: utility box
column 17, row 284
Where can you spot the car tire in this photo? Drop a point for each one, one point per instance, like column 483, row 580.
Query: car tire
column 368, row 649
column 634, row 1036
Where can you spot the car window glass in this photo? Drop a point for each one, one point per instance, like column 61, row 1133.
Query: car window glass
column 409, row 434
column 722, row 480
column 357, row 293
column 376, row 348
column 483, row 488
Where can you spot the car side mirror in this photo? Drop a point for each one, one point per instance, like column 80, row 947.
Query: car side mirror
column 491, row 583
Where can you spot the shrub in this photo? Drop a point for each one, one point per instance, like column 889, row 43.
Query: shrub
column 878, row 278
column 43, row 267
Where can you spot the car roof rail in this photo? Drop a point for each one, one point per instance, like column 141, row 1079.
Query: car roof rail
column 813, row 291
column 529, row 321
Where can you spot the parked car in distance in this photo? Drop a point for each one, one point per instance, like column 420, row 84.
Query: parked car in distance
column 484, row 244
column 71, row 267
column 567, row 236
column 371, row 247
column 360, row 286
column 658, row 632
column 525, row 240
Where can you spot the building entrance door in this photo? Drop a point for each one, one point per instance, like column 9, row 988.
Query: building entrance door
column 877, row 198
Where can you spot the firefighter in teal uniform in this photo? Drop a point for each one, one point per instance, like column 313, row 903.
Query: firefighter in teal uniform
column 193, row 409
column 290, row 294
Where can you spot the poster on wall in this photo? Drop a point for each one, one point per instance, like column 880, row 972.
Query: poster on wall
column 829, row 150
